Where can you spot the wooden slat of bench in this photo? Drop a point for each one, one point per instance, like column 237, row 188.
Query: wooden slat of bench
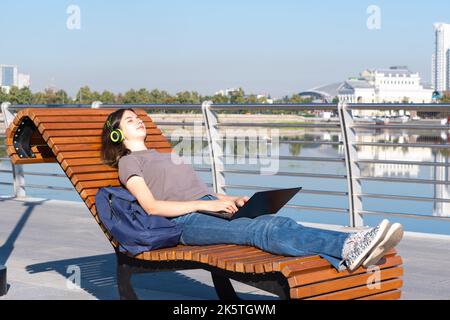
column 294, row 268
column 175, row 253
column 94, row 176
column 215, row 257
column 171, row 252
column 207, row 256
column 88, row 192
column 96, row 184
column 249, row 265
column 261, row 266
column 66, row 163
column 359, row 292
column 308, row 277
column 15, row 159
column 18, row 118
column 246, row 252
column 77, row 147
column 197, row 256
column 88, row 169
column 147, row 255
column 344, row 283
column 77, row 154
column 232, row 263
column 268, row 266
column 189, row 254
column 280, row 265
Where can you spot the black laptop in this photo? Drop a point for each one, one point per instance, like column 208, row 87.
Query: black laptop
column 262, row 202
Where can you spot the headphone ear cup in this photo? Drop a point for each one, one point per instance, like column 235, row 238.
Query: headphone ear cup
column 121, row 136
column 116, row 136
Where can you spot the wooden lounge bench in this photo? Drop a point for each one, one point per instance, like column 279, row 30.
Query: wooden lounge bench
column 71, row 137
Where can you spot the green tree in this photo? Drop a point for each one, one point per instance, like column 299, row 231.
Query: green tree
column 130, row 97
column 107, row 97
column 62, row 97
column 39, row 98
column 187, row 97
column 237, row 97
column 86, row 96
column 3, row 95
column 20, row 96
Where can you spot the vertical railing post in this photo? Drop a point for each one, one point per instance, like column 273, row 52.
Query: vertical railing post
column 215, row 147
column 353, row 170
column 17, row 170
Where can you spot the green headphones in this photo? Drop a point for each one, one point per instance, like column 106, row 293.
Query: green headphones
column 116, row 135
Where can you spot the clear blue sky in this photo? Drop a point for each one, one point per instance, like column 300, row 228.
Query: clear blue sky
column 277, row 47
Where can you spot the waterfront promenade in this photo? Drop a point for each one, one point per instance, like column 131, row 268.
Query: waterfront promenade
column 42, row 241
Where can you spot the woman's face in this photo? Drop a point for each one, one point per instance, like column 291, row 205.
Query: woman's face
column 132, row 126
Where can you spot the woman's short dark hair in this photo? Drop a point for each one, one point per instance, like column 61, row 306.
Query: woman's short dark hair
column 111, row 152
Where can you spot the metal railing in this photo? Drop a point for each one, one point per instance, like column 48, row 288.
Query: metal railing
column 346, row 124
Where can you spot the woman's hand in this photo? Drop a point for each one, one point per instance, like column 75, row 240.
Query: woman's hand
column 218, row 205
column 240, row 201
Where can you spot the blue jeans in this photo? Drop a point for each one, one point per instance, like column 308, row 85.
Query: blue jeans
column 271, row 233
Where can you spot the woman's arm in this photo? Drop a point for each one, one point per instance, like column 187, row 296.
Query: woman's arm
column 137, row 186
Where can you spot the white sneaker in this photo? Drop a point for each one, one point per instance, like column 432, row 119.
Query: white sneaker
column 359, row 245
column 392, row 238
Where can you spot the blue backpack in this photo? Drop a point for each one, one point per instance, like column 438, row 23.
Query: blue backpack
column 129, row 224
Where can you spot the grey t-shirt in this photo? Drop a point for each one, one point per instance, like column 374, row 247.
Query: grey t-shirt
column 166, row 175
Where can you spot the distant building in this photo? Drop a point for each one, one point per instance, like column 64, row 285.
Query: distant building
column 9, row 77
column 396, row 84
column 264, row 98
column 23, row 80
column 226, row 92
column 440, row 60
column 393, row 85
column 323, row 93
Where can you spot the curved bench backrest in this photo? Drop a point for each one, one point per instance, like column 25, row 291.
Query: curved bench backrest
column 72, row 137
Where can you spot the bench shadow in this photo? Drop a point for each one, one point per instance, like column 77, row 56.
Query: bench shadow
column 7, row 247
column 98, row 278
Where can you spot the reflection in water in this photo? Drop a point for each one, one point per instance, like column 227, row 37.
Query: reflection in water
column 441, row 191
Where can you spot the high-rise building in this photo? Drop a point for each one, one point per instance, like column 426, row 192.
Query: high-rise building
column 8, row 76
column 441, row 57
